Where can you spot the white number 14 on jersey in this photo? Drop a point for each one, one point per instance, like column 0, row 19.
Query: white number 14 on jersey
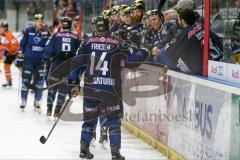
column 104, row 67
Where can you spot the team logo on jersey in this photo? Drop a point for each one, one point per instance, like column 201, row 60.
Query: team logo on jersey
column 36, row 40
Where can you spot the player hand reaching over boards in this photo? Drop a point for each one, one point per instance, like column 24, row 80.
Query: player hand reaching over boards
column 101, row 58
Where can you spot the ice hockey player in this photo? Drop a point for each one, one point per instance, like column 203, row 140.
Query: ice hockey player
column 116, row 19
column 107, row 15
column 32, row 49
column 103, row 84
column 185, row 53
column 62, row 46
column 146, row 33
column 11, row 47
column 126, row 23
column 138, row 9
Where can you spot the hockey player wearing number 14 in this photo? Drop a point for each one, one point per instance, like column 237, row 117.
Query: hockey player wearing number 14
column 62, row 46
column 101, row 57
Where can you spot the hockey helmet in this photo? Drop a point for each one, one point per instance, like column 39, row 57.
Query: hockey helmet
column 38, row 16
column 66, row 22
column 155, row 12
column 100, row 25
column 106, row 14
column 4, row 24
column 140, row 6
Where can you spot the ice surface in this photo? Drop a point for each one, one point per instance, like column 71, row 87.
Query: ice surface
column 20, row 132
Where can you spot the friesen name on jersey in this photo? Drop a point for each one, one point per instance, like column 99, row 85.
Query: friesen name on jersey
column 101, row 47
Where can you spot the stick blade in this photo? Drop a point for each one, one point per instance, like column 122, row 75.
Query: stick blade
column 42, row 139
column 30, row 86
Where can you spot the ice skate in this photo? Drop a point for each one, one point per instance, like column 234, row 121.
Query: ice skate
column 103, row 138
column 49, row 110
column 37, row 107
column 7, row 84
column 23, row 105
column 85, row 152
column 93, row 142
column 116, row 155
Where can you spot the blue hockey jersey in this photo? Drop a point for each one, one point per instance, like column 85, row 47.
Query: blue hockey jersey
column 33, row 43
column 103, row 56
column 62, row 46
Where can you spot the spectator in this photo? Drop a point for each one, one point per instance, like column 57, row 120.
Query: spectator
column 216, row 20
column 172, row 3
column 235, row 40
column 76, row 26
column 31, row 10
column 170, row 15
column 61, row 5
column 70, row 10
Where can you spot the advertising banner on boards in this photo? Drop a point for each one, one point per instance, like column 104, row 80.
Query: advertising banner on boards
column 192, row 119
column 235, row 128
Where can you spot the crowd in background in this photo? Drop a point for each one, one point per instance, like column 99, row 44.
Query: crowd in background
column 138, row 23
column 173, row 37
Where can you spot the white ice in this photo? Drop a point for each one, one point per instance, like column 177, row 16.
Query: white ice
column 20, row 132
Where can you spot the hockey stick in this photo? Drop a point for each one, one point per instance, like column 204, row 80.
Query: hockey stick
column 43, row 139
column 37, row 89
column 160, row 5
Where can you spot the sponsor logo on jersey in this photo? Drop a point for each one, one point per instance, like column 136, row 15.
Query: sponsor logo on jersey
column 113, row 108
column 90, row 109
column 69, row 35
column 31, row 34
column 36, row 40
column 103, row 39
column 37, row 48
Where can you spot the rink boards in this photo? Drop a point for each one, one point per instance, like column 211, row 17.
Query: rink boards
column 182, row 116
column 202, row 117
